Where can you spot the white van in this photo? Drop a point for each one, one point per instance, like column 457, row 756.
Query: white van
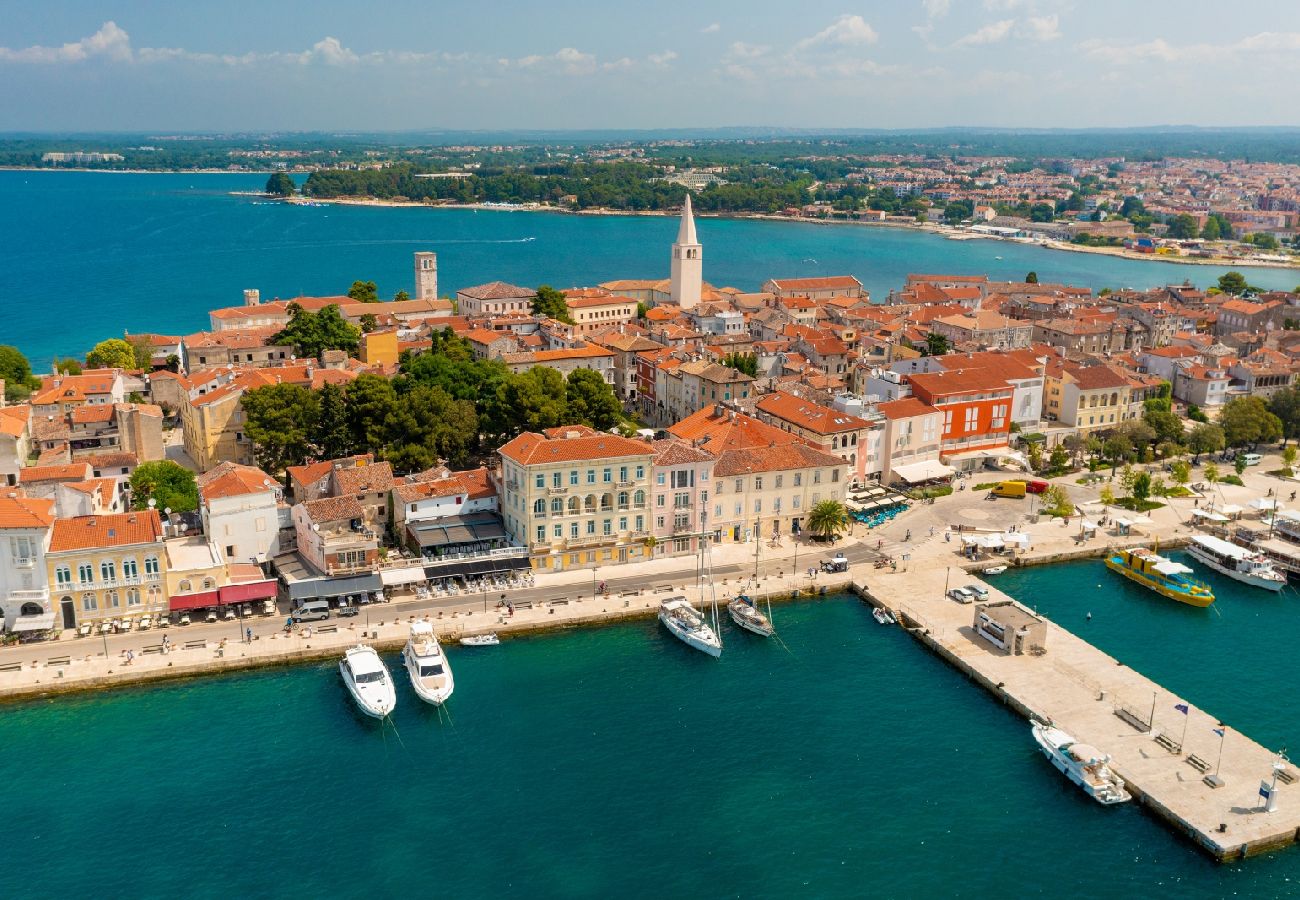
column 1252, row 459
column 311, row 611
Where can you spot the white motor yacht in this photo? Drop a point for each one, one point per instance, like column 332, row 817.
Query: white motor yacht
column 1237, row 563
column 1085, row 765
column 368, row 681
column 745, row 614
column 427, row 665
column 689, row 626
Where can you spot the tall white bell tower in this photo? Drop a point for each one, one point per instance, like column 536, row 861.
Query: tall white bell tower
column 687, row 273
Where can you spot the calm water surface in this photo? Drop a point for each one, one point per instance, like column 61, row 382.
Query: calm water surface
column 610, row 761
column 88, row 254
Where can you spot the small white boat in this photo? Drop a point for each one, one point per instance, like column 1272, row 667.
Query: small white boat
column 881, row 616
column 995, row 570
column 1237, row 563
column 689, row 626
column 745, row 614
column 481, row 640
column 428, row 668
column 368, row 681
column 1085, row 765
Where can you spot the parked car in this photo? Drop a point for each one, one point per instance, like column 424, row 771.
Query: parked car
column 978, row 590
column 961, row 595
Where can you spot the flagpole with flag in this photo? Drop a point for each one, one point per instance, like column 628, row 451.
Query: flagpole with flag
column 1183, row 708
column 1222, row 732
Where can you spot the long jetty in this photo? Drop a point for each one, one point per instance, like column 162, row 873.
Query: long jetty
column 1214, row 800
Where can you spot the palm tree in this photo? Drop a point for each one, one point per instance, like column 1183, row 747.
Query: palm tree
column 828, row 519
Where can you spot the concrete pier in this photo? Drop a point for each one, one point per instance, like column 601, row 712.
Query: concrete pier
column 1102, row 702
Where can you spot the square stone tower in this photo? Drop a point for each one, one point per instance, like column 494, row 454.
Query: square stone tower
column 426, row 276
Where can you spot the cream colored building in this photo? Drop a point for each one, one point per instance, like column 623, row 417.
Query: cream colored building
column 109, row 567
column 577, row 498
column 1090, row 398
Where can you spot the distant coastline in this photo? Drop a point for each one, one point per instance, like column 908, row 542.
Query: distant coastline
column 947, row 231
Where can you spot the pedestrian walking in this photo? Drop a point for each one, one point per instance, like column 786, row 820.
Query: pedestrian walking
column 248, row 635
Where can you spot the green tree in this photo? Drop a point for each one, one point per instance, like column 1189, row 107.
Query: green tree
column 1158, row 486
column 1116, row 448
column 1239, row 464
column 1168, row 426
column 371, row 403
column 742, row 362
column 1059, row 461
column 280, row 185
column 330, row 434
column 369, row 322
column 956, row 210
column 1057, row 502
column 1246, row 420
column 589, row 400
column 535, row 399
column 1233, row 283
column 1183, row 227
column 16, row 372
column 364, row 292
column 1205, row 437
column 1288, row 461
column 1211, row 230
column 280, row 420
column 1141, row 489
column 1212, row 472
column 1285, row 404
column 641, row 310
column 1180, row 471
column 1031, row 278
column 1127, row 476
column 550, row 302
column 113, row 353
column 143, row 351
column 68, row 366
column 936, row 344
column 429, row 425
column 168, row 484
column 1107, row 496
column 401, row 296
column 313, row 332
column 828, row 519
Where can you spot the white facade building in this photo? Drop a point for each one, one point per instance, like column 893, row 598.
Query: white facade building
column 686, row 275
column 25, row 528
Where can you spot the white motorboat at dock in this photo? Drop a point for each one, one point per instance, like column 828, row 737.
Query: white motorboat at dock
column 427, row 666
column 689, row 626
column 1085, row 765
column 368, row 681
column 1239, row 563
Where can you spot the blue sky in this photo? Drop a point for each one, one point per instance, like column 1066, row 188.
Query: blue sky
column 422, row 64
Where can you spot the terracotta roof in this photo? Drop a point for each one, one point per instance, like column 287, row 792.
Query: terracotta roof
column 809, row 415
column 904, row 408
column 311, row 472
column 1091, row 378
column 117, row 530
column 123, row 458
column 498, row 290
column 68, row 472
column 676, row 452
column 364, row 479
column 829, row 282
column 14, row 419
column 233, row 480
column 332, row 509
column 770, row 459
column 959, row 381
column 531, row 449
column 91, row 413
column 25, row 512
column 723, row 429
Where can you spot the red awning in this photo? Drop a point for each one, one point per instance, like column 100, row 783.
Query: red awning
column 194, row 601
column 250, row 590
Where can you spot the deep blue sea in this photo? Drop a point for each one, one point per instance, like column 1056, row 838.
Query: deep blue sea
column 87, row 255
column 849, row 762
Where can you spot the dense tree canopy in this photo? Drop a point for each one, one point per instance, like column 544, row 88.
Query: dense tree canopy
column 1246, row 420
column 16, row 372
column 312, row 332
column 168, row 484
column 742, row 362
column 280, row 185
column 113, row 353
column 550, row 302
column 280, row 420
column 1285, row 404
column 364, row 292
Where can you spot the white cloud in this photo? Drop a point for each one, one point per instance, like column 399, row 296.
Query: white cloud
column 936, row 9
column 110, row 42
column 330, row 51
column 741, row 50
column 1006, row 5
column 989, row 34
column 662, row 59
column 1042, row 28
column 846, row 31
column 1278, row 46
column 711, row 28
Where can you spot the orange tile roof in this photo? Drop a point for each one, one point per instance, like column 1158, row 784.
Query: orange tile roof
column 904, row 408
column 25, row 512
column 66, row 472
column 723, row 429
column 531, row 449
column 233, row 480
column 746, row 460
column 119, row 530
column 809, row 415
column 14, row 419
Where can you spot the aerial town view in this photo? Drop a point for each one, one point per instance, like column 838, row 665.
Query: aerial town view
column 725, row 452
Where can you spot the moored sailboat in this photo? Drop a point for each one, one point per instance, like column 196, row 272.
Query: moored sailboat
column 689, row 626
column 747, row 615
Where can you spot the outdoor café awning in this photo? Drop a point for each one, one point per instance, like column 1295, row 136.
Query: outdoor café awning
column 41, row 622
column 1088, row 526
column 245, row 591
column 474, row 567
column 1263, row 503
column 987, row 541
column 196, row 600
column 454, row 530
column 1209, row 515
column 408, row 575
column 929, row 470
column 1016, row 537
column 1231, row 509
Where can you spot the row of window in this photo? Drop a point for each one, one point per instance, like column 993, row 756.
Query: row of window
column 606, row 476
column 758, row 505
column 113, row 600
column 107, row 571
column 606, row 528
column 576, row 506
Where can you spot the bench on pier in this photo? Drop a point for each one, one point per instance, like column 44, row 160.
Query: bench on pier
column 1169, row 743
column 560, row 601
column 11, row 667
column 1132, row 718
column 663, row 589
column 195, row 645
column 1286, row 776
column 1197, row 763
column 58, row 661
column 152, row 648
column 524, row 604
column 327, row 629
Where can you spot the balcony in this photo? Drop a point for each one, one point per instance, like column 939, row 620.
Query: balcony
column 557, row 490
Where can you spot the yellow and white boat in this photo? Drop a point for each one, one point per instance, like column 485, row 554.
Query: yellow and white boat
column 1164, row 576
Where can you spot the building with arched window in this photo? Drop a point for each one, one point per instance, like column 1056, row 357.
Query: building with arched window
column 25, row 527
column 107, row 567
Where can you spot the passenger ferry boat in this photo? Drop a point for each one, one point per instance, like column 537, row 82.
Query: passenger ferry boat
column 1164, row 576
column 1246, row 566
column 1082, row 764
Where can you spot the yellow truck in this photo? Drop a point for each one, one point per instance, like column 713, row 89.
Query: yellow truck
column 1009, row 489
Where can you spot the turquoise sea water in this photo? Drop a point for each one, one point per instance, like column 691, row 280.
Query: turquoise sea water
column 87, row 254
column 611, row 761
